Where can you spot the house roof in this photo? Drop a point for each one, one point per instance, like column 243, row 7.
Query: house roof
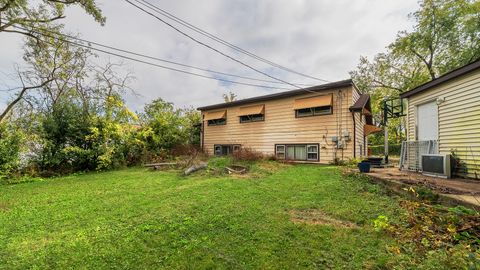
column 363, row 105
column 444, row 78
column 291, row 93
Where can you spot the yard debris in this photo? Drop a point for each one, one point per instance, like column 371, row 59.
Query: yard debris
column 195, row 168
column 160, row 166
column 432, row 227
column 318, row 217
column 237, row 169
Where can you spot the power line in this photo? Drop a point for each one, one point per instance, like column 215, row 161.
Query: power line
column 210, row 47
column 149, row 63
column 164, row 60
column 222, row 41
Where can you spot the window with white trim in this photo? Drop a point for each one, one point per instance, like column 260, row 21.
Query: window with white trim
column 280, row 151
column 312, row 152
column 305, row 152
column 226, row 149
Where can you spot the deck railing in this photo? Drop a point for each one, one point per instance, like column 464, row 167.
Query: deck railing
column 412, row 151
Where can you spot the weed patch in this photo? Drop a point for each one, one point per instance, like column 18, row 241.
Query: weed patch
column 318, row 217
column 4, row 207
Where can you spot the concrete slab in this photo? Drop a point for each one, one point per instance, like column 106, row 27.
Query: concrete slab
column 452, row 191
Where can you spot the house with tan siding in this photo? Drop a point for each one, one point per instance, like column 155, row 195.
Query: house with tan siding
column 447, row 111
column 319, row 124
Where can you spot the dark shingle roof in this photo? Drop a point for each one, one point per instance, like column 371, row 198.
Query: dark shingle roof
column 361, row 103
column 449, row 76
column 291, row 93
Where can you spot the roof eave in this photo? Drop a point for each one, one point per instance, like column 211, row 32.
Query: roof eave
column 285, row 94
column 442, row 79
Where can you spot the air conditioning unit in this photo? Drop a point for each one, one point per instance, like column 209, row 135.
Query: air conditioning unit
column 436, row 165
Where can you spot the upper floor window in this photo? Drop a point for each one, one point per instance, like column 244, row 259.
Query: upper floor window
column 216, row 118
column 312, row 106
column 253, row 113
column 252, row 118
column 314, row 111
column 217, row 122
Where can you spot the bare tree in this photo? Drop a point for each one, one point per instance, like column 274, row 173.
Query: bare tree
column 25, row 89
column 229, row 97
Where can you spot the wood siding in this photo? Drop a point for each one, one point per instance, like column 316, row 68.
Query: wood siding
column 458, row 119
column 359, row 123
column 282, row 127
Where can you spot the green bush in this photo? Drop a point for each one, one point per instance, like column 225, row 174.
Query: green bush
column 11, row 140
column 379, row 150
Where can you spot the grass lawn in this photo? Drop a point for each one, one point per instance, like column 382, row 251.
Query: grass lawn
column 136, row 218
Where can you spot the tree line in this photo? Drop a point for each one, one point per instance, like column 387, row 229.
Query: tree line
column 69, row 112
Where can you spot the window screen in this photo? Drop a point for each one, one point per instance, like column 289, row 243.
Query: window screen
column 314, row 111
column 217, row 122
column 251, row 118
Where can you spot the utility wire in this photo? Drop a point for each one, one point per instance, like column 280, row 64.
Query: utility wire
column 149, row 63
column 221, row 41
column 210, row 47
column 162, row 60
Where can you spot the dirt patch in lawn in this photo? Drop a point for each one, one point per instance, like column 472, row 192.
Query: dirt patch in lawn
column 318, row 217
column 4, row 207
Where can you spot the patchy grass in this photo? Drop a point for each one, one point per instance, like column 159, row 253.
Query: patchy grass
column 138, row 218
column 318, row 217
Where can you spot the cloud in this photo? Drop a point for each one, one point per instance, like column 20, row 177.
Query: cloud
column 322, row 38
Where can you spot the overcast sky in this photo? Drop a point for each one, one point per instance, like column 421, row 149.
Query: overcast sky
column 323, row 38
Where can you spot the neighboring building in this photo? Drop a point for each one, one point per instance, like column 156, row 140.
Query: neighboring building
column 446, row 112
column 318, row 124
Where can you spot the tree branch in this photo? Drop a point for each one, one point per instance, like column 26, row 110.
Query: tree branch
column 19, row 97
column 7, row 5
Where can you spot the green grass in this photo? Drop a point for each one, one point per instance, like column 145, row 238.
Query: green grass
column 140, row 219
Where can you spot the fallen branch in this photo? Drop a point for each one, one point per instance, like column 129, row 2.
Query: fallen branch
column 195, row 168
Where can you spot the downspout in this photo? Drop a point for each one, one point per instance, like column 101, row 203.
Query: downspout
column 365, row 148
column 202, row 133
column 354, row 136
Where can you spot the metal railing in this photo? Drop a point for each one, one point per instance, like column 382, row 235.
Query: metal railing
column 412, row 151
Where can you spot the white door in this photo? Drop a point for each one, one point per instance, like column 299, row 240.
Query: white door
column 427, row 121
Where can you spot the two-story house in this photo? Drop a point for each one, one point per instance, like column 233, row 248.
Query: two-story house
column 317, row 124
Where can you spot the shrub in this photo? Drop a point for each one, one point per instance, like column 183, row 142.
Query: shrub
column 353, row 162
column 247, row 154
column 379, row 150
column 10, row 145
column 185, row 150
column 338, row 162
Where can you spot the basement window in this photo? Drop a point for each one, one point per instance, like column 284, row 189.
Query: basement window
column 252, row 118
column 315, row 111
column 312, row 152
column 280, row 151
column 226, row 149
column 300, row 152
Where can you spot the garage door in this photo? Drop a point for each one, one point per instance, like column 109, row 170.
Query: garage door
column 427, row 121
